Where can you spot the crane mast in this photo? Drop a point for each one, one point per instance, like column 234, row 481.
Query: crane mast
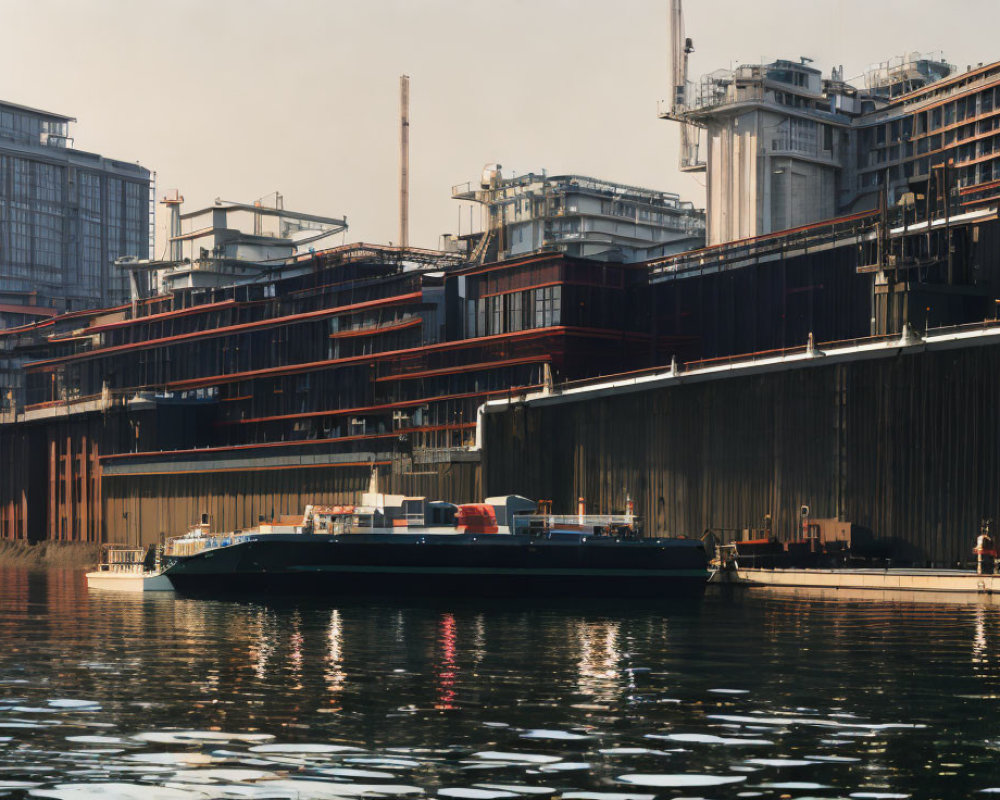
column 680, row 48
column 678, row 53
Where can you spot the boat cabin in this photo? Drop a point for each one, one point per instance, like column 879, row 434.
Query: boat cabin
column 379, row 511
column 287, row 523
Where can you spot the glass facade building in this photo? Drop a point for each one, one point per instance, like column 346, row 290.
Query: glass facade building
column 65, row 216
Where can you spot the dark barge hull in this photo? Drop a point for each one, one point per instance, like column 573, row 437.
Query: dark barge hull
column 461, row 565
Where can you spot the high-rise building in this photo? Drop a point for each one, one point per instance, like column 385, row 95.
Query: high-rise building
column 65, row 216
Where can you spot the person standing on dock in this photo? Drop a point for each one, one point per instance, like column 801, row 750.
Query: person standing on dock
column 986, row 553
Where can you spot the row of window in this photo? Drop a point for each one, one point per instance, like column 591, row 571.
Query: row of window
column 927, row 122
column 352, row 388
column 515, row 311
column 961, row 176
column 793, row 100
column 28, row 128
column 534, row 209
column 803, row 136
column 957, row 110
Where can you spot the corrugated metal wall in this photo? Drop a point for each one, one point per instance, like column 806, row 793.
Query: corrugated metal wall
column 907, row 445
column 145, row 508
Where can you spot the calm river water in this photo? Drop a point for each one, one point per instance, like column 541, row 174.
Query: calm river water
column 161, row 697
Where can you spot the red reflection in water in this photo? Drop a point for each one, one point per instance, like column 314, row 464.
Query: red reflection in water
column 447, row 668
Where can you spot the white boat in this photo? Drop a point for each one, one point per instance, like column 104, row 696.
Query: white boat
column 124, row 569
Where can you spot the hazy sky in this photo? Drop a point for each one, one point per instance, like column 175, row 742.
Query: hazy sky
column 238, row 98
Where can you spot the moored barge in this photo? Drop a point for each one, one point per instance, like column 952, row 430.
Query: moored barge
column 834, row 556
column 396, row 545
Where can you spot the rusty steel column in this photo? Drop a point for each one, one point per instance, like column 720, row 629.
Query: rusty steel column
column 53, row 532
column 98, row 496
column 66, row 521
column 84, row 492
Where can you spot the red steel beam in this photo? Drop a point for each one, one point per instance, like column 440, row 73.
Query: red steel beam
column 225, row 330
column 269, row 445
column 181, row 312
column 341, row 412
column 295, row 369
column 484, row 365
column 376, row 329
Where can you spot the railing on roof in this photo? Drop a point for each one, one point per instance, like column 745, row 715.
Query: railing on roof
column 966, row 327
column 722, row 87
column 567, row 183
column 360, row 251
column 688, row 367
column 804, row 237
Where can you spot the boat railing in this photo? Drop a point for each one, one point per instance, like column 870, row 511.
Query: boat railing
column 601, row 520
column 537, row 524
column 121, row 558
column 339, row 525
column 192, row 545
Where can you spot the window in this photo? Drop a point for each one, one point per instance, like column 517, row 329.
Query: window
column 514, row 311
column 799, row 135
column 20, row 239
column 470, row 318
column 496, row 314
column 548, row 311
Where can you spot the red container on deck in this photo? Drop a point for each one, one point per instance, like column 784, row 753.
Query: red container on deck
column 476, row 518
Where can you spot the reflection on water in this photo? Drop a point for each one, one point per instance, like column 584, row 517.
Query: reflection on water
column 769, row 695
column 334, row 672
column 598, row 669
column 446, row 662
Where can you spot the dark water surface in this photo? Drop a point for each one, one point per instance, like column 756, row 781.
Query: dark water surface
column 116, row 695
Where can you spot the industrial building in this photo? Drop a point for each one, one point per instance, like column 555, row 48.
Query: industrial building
column 814, row 365
column 783, row 145
column 296, row 383
column 256, row 398
column 211, row 247
column 579, row 216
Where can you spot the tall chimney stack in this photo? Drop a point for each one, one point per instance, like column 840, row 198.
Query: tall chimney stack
column 404, row 160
